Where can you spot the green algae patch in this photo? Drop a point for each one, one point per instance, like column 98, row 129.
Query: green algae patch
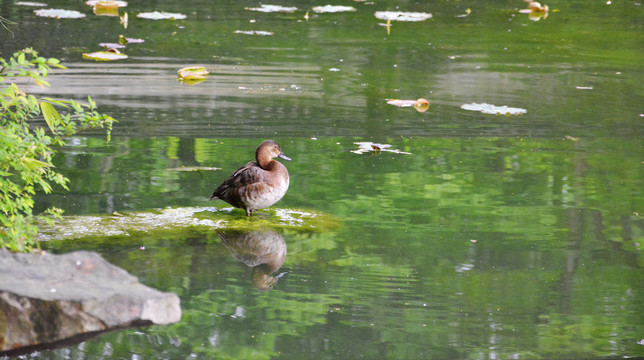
column 173, row 222
column 279, row 219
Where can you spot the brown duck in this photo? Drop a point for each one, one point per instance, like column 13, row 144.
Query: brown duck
column 258, row 184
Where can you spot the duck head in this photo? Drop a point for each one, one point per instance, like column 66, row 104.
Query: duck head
column 267, row 151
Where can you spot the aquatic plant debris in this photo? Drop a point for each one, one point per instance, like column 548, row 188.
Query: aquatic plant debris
column 535, row 10
column 111, row 45
column 467, row 12
column 370, row 147
column 254, row 32
column 105, row 55
column 106, row 4
column 402, row 16
column 160, row 15
column 193, row 73
column 29, row 3
column 332, row 9
column 493, row 109
column 421, row 105
column 59, row 13
column 272, row 8
column 106, row 7
column 126, row 40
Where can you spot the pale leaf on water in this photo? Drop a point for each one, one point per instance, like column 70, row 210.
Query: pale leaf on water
column 104, row 56
column 254, row 32
column 160, row 15
column 333, row 9
column 29, row 3
column 493, row 109
column 371, row 147
column 402, row 16
column 272, row 8
column 59, row 13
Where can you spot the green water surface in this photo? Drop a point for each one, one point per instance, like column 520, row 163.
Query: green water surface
column 496, row 237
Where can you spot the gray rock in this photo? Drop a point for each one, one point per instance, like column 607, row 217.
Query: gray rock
column 46, row 298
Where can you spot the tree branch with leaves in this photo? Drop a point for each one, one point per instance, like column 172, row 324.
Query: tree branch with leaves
column 27, row 149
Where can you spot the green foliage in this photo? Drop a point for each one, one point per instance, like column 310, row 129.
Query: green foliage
column 26, row 149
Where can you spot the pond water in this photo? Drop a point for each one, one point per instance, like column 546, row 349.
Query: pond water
column 495, row 237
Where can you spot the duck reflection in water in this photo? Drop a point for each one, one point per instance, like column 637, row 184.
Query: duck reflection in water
column 264, row 251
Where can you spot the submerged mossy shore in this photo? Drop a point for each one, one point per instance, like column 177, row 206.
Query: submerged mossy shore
column 170, row 222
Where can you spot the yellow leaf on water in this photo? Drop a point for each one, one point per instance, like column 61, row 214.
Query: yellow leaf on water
column 106, row 4
column 193, row 73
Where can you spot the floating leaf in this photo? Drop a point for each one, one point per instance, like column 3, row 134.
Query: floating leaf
column 273, row 8
column 401, row 103
column 535, row 10
column 402, row 16
column 160, row 15
column 194, row 168
column 535, row 6
column 421, row 105
column 124, row 40
column 254, row 32
column 493, row 109
column 106, row 7
column 467, row 12
column 124, row 19
column 333, row 9
column 106, row 4
column 106, row 11
column 369, row 147
column 104, row 56
column 111, row 45
column 59, row 13
column 28, row 3
column 193, row 73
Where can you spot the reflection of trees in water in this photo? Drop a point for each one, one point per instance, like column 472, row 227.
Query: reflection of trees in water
column 264, row 251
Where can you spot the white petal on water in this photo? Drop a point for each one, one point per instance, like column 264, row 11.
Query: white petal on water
column 493, row 109
column 59, row 13
column 333, row 8
column 402, row 16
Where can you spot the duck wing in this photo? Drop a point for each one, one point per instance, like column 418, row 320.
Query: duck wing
column 246, row 175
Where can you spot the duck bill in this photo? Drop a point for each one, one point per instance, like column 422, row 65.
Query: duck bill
column 282, row 156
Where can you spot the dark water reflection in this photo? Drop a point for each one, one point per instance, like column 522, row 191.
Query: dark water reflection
column 263, row 251
column 497, row 237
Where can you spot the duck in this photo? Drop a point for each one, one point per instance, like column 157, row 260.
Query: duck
column 258, row 184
